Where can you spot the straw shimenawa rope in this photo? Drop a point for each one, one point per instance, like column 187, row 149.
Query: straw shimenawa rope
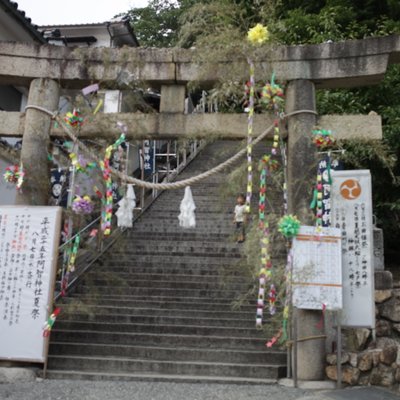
column 162, row 186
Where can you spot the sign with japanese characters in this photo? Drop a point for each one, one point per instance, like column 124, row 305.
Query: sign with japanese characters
column 29, row 239
column 147, row 157
column 324, row 167
column 317, row 269
column 352, row 214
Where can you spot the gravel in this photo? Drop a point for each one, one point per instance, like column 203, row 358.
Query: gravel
column 97, row 390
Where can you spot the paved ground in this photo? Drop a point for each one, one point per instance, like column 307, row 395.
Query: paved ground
column 83, row 390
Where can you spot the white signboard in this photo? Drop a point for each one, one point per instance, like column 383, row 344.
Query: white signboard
column 352, row 214
column 317, row 270
column 29, row 239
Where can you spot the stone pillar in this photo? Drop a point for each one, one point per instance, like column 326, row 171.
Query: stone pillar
column 34, row 153
column 300, row 95
column 172, row 98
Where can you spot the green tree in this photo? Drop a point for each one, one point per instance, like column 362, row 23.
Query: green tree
column 157, row 25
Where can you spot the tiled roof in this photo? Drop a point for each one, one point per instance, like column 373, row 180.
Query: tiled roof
column 19, row 16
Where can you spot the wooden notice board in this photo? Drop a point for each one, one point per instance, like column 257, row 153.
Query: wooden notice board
column 29, row 240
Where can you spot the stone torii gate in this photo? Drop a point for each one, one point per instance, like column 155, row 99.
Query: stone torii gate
column 305, row 68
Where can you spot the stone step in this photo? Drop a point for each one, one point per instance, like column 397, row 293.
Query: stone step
column 99, row 282
column 155, row 377
column 193, row 260
column 152, row 319
column 159, row 310
column 104, row 364
column 149, row 291
column 167, row 353
column 223, row 302
column 166, row 226
column 162, row 277
column 178, row 247
column 163, row 304
column 155, row 339
column 201, row 253
column 176, row 329
column 159, row 304
column 133, row 234
column 198, row 269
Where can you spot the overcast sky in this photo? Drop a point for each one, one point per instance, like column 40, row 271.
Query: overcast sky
column 53, row 12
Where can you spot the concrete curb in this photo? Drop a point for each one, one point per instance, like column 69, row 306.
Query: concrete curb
column 14, row 375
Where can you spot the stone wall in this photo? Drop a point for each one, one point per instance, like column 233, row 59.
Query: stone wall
column 373, row 361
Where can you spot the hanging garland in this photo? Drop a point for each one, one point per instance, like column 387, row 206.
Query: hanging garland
column 71, row 264
column 50, row 322
column 322, row 139
column 250, row 121
column 317, row 202
column 107, row 198
column 256, row 36
column 272, row 98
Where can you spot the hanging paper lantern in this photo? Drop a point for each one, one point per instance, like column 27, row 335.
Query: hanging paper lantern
column 258, row 34
column 82, row 205
column 289, row 226
column 73, row 118
column 323, row 138
column 15, row 174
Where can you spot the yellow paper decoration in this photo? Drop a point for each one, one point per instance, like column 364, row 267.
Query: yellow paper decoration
column 258, row 35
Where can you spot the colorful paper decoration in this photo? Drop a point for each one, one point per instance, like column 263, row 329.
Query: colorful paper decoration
column 80, row 164
column 82, row 205
column 73, row 254
column 15, row 174
column 50, row 322
column 272, row 299
column 187, row 217
column 323, row 138
column 250, row 120
column 107, row 199
column 258, row 35
column 317, row 202
column 289, row 226
column 273, row 99
column 73, row 251
column 265, row 271
column 273, row 96
column 74, row 118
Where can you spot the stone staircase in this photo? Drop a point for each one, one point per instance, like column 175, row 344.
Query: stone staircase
column 158, row 305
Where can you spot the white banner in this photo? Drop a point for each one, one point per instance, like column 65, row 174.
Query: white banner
column 29, row 240
column 317, row 269
column 352, row 214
